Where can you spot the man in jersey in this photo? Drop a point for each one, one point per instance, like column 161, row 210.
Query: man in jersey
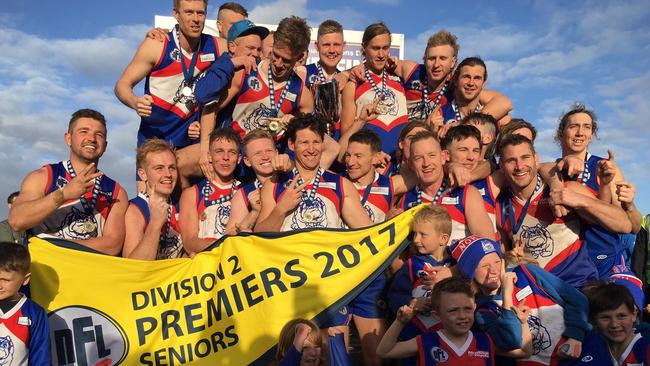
column 72, row 199
column 152, row 228
column 426, row 160
column 600, row 176
column 228, row 14
column 171, row 68
column 330, row 46
column 269, row 96
column 261, row 155
column 310, row 196
column 380, row 86
column 205, row 207
column 525, row 214
column 428, row 85
column 487, row 126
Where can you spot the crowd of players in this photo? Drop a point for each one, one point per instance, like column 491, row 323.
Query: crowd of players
column 232, row 139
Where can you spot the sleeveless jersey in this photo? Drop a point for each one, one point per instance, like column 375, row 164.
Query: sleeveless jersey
column 313, row 76
column 324, row 210
column 435, row 349
column 420, row 266
column 449, row 113
column 554, row 243
column 247, row 189
column 414, row 87
column 71, row 221
column 171, row 244
column 452, row 199
column 213, row 216
column 489, row 200
column 172, row 112
column 253, row 104
column 388, row 125
column 24, row 335
column 379, row 198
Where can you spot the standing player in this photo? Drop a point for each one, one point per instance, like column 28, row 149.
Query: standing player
column 152, row 228
column 330, row 46
column 427, row 162
column 525, row 214
column 72, row 199
column 380, row 87
column 228, row 14
column 205, row 207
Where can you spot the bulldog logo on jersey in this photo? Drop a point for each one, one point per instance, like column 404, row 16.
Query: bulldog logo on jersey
column 541, row 337
column 416, row 85
column 170, row 248
column 388, row 103
column 78, row 225
column 537, row 241
column 223, row 214
column 309, row 215
column 439, row 354
column 258, row 119
column 185, row 95
column 6, row 351
column 415, row 110
column 82, row 335
column 254, row 83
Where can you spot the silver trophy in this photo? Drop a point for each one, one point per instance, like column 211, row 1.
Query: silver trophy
column 326, row 99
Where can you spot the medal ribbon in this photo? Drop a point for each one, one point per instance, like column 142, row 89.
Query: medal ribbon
column 188, row 73
column 441, row 190
column 314, row 185
column 384, row 86
column 167, row 226
column 88, row 207
column 366, row 192
column 275, row 109
column 207, row 190
column 425, row 96
column 584, row 176
column 511, row 212
column 459, row 116
column 321, row 74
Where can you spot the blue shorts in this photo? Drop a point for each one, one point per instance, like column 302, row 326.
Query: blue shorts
column 371, row 303
column 341, row 317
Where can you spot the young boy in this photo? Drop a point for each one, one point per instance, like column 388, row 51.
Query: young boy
column 431, row 230
column 24, row 331
column 455, row 343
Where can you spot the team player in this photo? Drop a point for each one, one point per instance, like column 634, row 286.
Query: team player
column 205, row 207
column 261, row 155
column 414, row 280
column 171, row 68
column 330, row 45
column 452, row 301
column 152, row 228
column 228, row 14
column 487, row 126
column 426, row 160
column 72, row 199
column 380, row 87
column 525, row 213
column 24, row 329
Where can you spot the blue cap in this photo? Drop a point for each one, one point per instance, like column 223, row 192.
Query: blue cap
column 245, row 27
column 468, row 253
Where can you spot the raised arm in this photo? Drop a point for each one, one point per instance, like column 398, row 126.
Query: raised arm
column 112, row 238
column 495, row 103
column 189, row 223
column 273, row 213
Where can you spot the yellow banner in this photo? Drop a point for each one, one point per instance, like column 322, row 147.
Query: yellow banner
column 224, row 307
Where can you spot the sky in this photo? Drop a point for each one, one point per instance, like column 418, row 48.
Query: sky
column 543, row 54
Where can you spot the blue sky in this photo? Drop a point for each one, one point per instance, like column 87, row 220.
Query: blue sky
column 62, row 56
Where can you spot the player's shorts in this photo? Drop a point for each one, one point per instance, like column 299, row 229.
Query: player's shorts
column 371, row 303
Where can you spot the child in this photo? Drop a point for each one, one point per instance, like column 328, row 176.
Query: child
column 24, row 331
column 522, row 303
column 455, row 343
column 431, row 230
column 301, row 343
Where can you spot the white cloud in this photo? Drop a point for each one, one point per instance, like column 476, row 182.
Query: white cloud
column 273, row 12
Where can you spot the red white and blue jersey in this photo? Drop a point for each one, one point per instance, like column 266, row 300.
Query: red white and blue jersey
column 24, row 335
column 389, row 124
column 436, row 349
column 171, row 244
column 378, row 198
column 414, row 91
column 451, row 112
column 324, row 211
column 555, row 243
column 253, row 104
column 172, row 112
column 71, row 220
column 246, row 190
column 637, row 353
column 215, row 213
column 418, row 267
column 313, row 76
column 489, row 199
column 452, row 199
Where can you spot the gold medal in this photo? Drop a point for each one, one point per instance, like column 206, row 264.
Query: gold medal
column 274, row 126
column 89, row 226
column 382, row 108
column 203, row 216
column 307, row 216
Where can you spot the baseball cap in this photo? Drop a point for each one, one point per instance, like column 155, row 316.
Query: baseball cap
column 245, row 27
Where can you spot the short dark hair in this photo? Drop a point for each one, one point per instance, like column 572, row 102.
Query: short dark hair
column 471, row 61
column 513, row 140
column 483, row 119
column 227, row 134
column 459, row 133
column 234, row 7
column 451, row 285
column 85, row 113
column 12, row 197
column 367, row 137
column 14, row 258
column 301, row 121
column 293, row 33
column 609, row 296
column 514, row 125
column 576, row 108
column 372, row 31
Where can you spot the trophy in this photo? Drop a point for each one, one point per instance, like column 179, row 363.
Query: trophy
column 326, row 100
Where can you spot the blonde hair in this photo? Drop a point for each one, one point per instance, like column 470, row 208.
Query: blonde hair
column 443, row 38
column 288, row 333
column 435, row 215
column 151, row 146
